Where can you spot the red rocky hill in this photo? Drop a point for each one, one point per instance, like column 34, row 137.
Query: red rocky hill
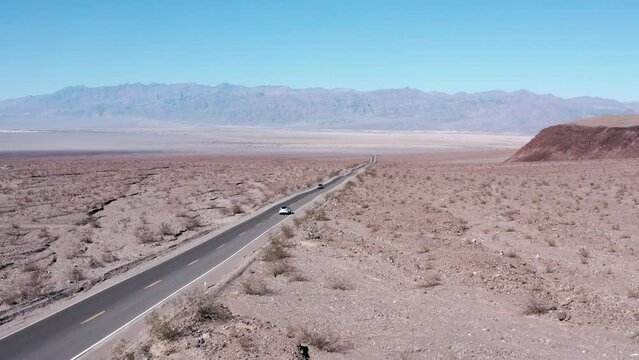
column 576, row 142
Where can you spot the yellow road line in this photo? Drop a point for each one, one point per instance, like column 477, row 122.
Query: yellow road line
column 242, row 233
column 93, row 317
column 153, row 284
column 192, row 262
column 221, row 246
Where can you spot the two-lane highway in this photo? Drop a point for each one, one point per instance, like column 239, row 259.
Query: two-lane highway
column 76, row 329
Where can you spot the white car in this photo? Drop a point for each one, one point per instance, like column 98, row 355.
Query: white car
column 285, row 210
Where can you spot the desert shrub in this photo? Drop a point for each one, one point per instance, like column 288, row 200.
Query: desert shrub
column 44, row 233
column 191, row 222
column 120, row 351
column 511, row 254
column 327, row 341
column 340, row 283
column 535, row 307
column 144, row 235
column 321, row 216
column 109, row 257
column 274, row 250
column 165, row 229
column 633, row 293
column 551, row 242
column 297, row 277
column 245, row 342
column 30, row 267
column 287, row 231
column 584, row 253
column 236, row 209
column 281, row 269
column 349, row 185
column 213, row 312
column 431, row 280
column 94, row 263
column 76, row 275
column 162, row 328
column 254, row 286
column 86, row 239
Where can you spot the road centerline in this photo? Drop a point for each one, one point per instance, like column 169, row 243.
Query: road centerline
column 153, row 284
column 221, row 246
column 93, row 317
column 192, row 262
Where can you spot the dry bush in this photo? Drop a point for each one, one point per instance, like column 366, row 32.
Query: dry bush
column 76, row 275
column 213, row 312
column 254, row 286
column 321, row 216
column 109, row 257
column 633, row 293
column 583, row 252
column 282, row 269
column 431, row 280
column 236, row 209
column 551, row 242
column 511, row 253
column 287, row 231
column 349, row 185
column 32, row 287
column 340, row 283
column 86, row 239
column 535, row 307
column 162, row 328
column 120, row 352
column 245, row 342
column 94, row 263
column 274, row 250
column 191, row 222
column 145, row 235
column 297, row 277
column 226, row 211
column 165, row 229
column 327, row 341
column 30, row 267
column 44, row 233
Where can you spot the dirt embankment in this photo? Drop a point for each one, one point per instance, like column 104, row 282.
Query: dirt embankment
column 575, row 142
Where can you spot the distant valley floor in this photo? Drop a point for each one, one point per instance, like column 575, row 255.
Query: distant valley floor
column 254, row 140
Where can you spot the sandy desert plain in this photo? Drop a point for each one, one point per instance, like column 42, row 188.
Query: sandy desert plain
column 438, row 251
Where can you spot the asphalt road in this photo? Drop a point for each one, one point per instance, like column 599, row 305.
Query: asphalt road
column 74, row 330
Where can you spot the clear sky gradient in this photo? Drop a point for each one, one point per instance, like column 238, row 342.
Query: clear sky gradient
column 568, row 48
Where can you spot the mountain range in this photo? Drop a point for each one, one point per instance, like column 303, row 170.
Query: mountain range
column 174, row 105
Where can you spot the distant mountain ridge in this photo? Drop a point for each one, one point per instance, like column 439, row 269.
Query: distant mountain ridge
column 162, row 105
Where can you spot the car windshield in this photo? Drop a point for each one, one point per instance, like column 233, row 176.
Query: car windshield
column 284, row 207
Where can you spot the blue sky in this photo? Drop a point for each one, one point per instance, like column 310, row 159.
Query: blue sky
column 568, row 48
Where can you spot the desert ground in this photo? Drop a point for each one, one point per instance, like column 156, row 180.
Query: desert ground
column 433, row 257
column 70, row 222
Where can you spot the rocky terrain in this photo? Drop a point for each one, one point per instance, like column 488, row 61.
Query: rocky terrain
column 173, row 105
column 576, row 142
column 67, row 223
column 433, row 257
